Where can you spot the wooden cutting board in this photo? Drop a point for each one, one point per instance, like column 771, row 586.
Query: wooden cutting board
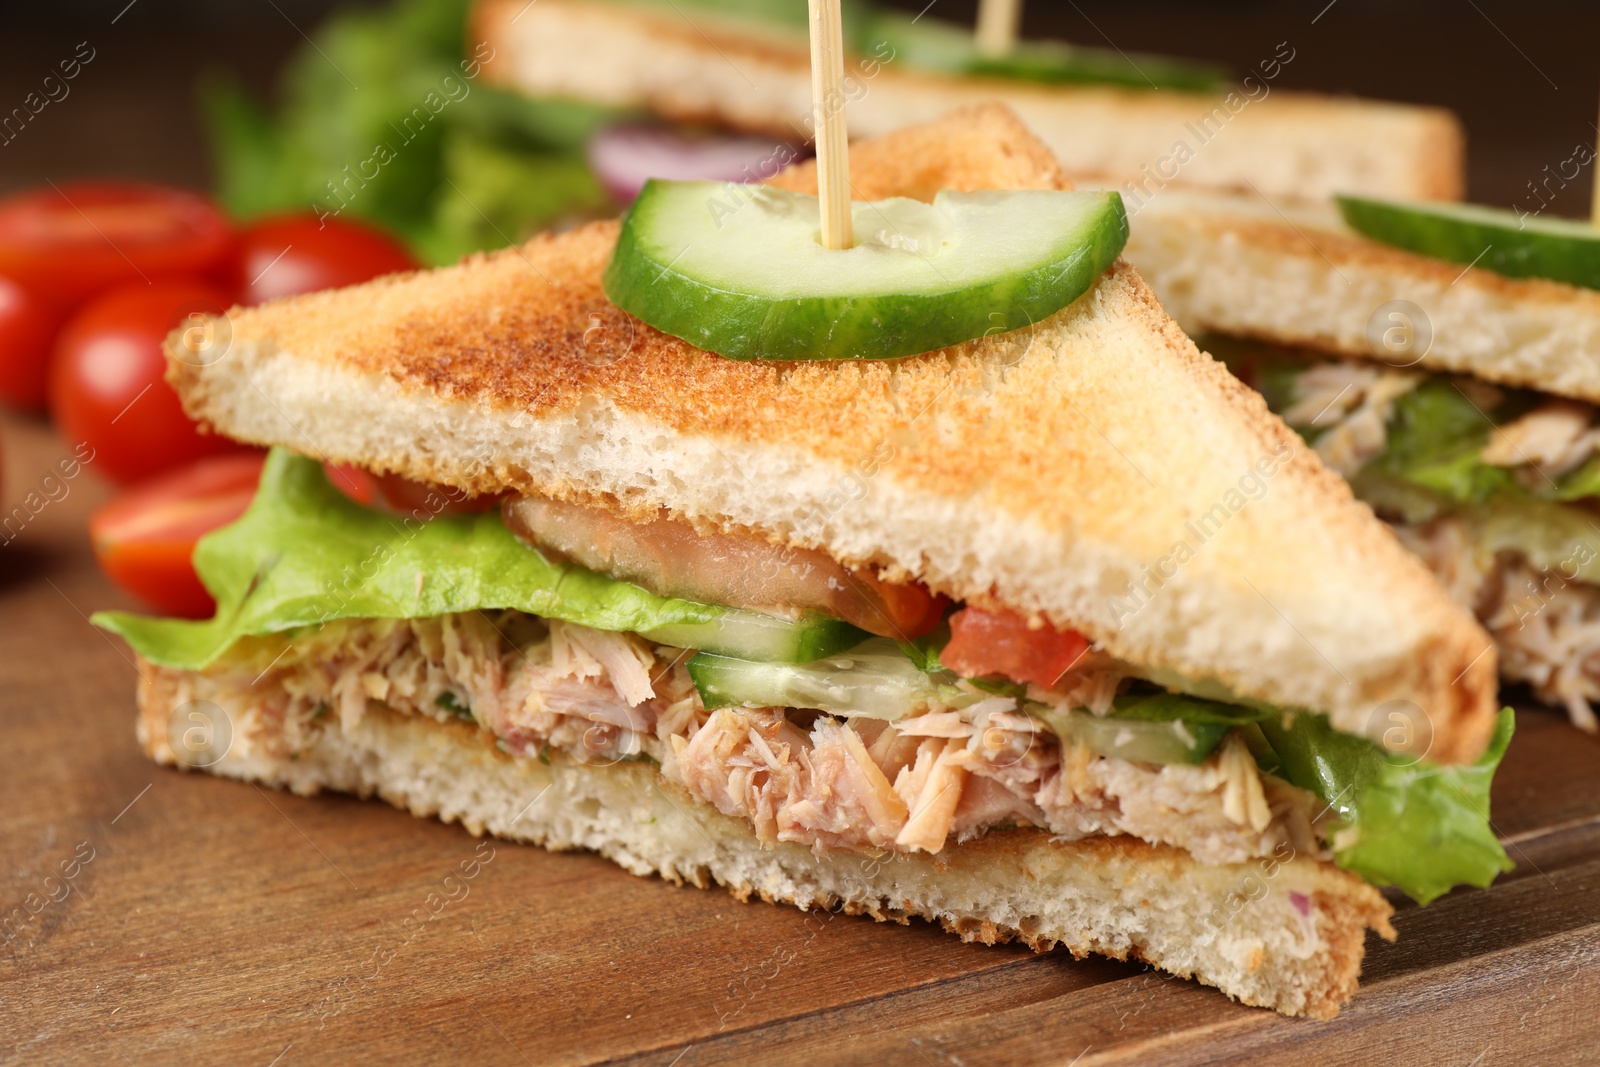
column 217, row 922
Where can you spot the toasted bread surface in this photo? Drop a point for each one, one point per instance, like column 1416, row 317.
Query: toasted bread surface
column 1295, row 274
column 1096, row 471
column 693, row 67
column 1286, row 933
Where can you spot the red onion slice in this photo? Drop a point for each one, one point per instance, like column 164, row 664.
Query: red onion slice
column 625, row 156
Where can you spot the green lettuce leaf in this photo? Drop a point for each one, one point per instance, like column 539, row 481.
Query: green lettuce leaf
column 378, row 119
column 305, row 554
column 1417, row 826
column 1436, row 439
column 494, row 194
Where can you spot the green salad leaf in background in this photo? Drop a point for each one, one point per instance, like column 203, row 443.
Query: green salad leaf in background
column 386, row 116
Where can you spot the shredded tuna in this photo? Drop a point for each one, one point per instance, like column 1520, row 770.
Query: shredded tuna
column 1546, row 623
column 863, row 784
column 1556, row 437
column 1352, row 403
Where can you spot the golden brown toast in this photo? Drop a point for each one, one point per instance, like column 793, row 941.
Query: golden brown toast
column 1295, row 274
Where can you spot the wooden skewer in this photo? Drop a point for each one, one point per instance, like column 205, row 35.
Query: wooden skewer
column 832, row 140
column 999, row 21
column 1594, row 204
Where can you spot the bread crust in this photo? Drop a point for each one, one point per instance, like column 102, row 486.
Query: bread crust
column 1297, row 275
column 705, row 70
column 1237, row 927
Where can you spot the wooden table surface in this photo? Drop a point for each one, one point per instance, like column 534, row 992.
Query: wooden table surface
column 216, row 922
column 209, row 921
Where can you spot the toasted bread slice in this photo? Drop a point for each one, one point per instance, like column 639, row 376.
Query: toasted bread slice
column 1096, row 471
column 1295, row 274
column 690, row 66
column 1286, row 932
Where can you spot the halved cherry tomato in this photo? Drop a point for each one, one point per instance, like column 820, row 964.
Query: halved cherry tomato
column 145, row 538
column 27, row 326
column 988, row 643
column 71, row 241
column 107, row 384
column 290, row 254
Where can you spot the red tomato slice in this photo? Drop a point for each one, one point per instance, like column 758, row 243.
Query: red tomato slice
column 425, row 500
column 68, row 242
column 987, row 643
column 353, row 482
column 145, row 538
column 27, row 326
column 108, row 384
column 402, row 496
column 291, row 254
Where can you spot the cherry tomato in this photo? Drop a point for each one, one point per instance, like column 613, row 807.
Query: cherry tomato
column 107, row 384
column 145, row 538
column 27, row 326
column 290, row 254
column 70, row 242
column 987, row 643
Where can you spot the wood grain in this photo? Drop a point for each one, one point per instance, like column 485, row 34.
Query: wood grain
column 219, row 922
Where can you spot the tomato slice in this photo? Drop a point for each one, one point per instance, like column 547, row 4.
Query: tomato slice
column 401, row 496
column 988, row 643
column 68, row 242
column 144, row 539
column 353, row 482
column 289, row 254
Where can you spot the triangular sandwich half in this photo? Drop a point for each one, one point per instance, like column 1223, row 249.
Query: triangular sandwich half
column 1159, row 612
column 1464, row 405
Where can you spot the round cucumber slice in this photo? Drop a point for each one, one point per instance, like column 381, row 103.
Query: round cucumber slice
column 741, row 271
column 1561, row 250
column 934, row 44
column 752, row 635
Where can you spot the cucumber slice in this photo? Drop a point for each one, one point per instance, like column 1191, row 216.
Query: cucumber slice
column 1171, row 741
column 1155, row 727
column 877, row 680
column 752, row 635
column 934, row 44
column 874, row 679
column 741, row 271
column 1561, row 250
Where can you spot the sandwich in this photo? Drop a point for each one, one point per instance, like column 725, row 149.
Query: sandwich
column 1055, row 634
column 1454, row 381
column 1137, row 123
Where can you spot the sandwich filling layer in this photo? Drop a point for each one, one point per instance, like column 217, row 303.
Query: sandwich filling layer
column 1496, row 489
column 921, row 725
